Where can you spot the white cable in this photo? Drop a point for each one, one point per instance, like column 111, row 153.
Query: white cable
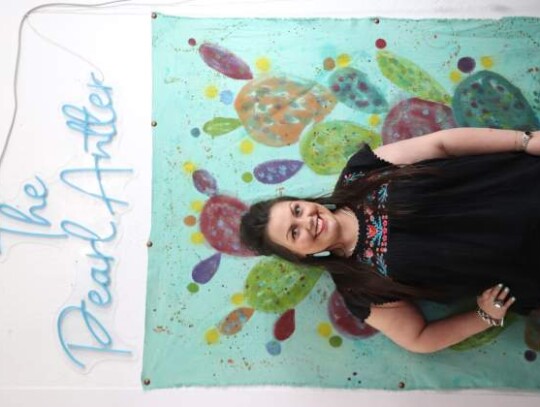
column 108, row 4
column 17, row 61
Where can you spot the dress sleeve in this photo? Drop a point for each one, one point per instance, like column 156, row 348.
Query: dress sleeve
column 360, row 163
column 359, row 311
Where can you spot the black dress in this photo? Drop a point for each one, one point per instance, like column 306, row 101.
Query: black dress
column 476, row 226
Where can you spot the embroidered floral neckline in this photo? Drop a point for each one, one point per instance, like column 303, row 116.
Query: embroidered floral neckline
column 372, row 242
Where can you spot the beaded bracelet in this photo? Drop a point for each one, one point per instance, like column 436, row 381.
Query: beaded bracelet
column 491, row 321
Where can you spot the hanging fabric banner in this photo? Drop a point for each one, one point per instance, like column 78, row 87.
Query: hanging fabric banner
column 248, row 109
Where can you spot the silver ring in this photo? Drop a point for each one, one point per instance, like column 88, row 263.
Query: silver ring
column 498, row 304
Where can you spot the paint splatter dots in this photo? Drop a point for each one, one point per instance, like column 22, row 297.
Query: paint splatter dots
column 247, row 177
column 197, row 238
column 335, row 341
column 211, row 336
column 487, row 62
column 197, row 206
column 263, row 64
column 343, row 60
column 380, row 43
column 211, row 92
column 324, row 329
column 466, row 64
column 237, row 298
column 530, row 355
column 192, row 42
column 455, row 76
column 195, row 132
column 354, row 374
column 329, row 64
column 273, row 348
column 246, row 147
column 226, row 97
column 190, row 220
column 189, row 167
column 193, row 288
column 374, row 120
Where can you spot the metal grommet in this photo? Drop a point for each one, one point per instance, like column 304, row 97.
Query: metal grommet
column 376, row 20
column 149, row 243
column 401, row 385
column 154, row 15
column 146, row 382
column 154, row 123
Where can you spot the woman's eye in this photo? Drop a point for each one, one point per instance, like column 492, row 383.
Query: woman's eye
column 294, row 233
column 296, row 210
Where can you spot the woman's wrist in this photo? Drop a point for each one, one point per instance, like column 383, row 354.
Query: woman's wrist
column 488, row 319
column 522, row 140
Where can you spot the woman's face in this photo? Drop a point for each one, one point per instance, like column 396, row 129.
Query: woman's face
column 303, row 227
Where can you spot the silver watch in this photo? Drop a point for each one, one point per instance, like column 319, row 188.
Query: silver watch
column 526, row 136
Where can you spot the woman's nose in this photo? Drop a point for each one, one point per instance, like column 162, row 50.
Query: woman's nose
column 309, row 222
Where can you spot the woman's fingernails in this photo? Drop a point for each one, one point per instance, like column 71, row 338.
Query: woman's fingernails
column 500, row 285
column 506, row 289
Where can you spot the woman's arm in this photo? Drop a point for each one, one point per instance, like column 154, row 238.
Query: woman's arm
column 470, row 140
column 404, row 323
column 455, row 142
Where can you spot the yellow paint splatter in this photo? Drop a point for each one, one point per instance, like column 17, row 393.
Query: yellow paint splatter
column 374, row 120
column 211, row 336
column 197, row 206
column 246, row 147
column 324, row 329
column 343, row 60
column 237, row 298
column 487, row 62
column 211, row 92
column 263, row 64
column 455, row 76
column 197, row 238
column 189, row 167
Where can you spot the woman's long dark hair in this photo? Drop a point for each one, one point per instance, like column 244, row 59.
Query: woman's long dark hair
column 359, row 283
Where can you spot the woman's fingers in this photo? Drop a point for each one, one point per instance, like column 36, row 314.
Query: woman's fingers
column 493, row 291
column 509, row 302
column 503, row 292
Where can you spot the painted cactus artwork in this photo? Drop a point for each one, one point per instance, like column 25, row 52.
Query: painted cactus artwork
column 247, row 109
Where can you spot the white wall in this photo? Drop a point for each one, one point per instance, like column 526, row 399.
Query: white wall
column 37, row 280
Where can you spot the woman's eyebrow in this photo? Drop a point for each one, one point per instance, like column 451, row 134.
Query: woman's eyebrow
column 290, row 227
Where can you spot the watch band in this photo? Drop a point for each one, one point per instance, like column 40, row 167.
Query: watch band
column 526, row 136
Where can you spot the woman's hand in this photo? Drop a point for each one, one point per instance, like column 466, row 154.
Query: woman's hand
column 489, row 298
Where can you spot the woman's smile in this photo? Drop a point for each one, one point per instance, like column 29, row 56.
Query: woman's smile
column 321, row 225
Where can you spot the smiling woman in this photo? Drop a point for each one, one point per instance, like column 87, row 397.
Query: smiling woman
column 401, row 225
column 308, row 228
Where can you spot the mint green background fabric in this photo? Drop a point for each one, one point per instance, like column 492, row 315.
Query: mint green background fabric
column 189, row 340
